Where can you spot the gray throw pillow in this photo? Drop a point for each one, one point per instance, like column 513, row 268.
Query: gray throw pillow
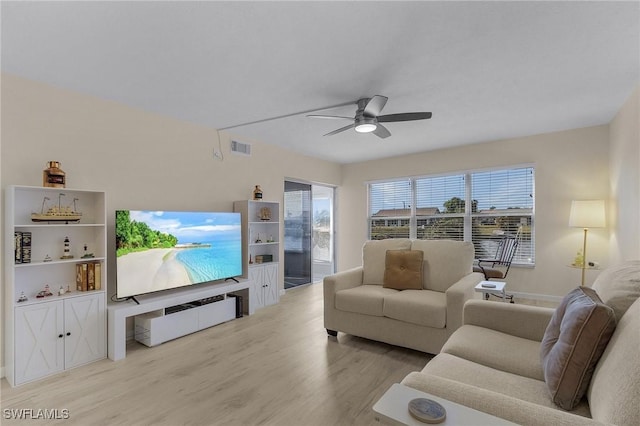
column 573, row 342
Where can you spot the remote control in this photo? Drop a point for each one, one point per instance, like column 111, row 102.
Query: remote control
column 488, row 285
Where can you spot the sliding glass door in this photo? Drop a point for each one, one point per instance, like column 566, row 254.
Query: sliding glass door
column 322, row 258
column 297, row 234
column 308, row 233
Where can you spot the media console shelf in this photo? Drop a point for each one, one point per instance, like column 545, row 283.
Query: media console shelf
column 169, row 326
column 160, row 326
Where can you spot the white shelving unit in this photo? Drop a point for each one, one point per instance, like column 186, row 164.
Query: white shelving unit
column 50, row 334
column 261, row 236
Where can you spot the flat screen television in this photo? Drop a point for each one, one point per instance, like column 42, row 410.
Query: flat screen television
column 160, row 250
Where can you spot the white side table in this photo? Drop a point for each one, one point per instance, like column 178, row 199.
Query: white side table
column 499, row 289
column 392, row 409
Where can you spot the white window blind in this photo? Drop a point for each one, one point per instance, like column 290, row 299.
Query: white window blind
column 440, row 207
column 474, row 206
column 390, row 209
column 504, row 206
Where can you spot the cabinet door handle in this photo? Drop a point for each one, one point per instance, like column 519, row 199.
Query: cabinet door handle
column 68, row 333
column 60, row 336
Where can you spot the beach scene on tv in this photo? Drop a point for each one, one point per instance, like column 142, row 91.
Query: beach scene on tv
column 159, row 250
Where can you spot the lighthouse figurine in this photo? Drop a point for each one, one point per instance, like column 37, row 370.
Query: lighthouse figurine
column 66, row 254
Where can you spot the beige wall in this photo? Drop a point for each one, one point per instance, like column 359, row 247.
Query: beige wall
column 142, row 160
column 624, row 135
column 569, row 165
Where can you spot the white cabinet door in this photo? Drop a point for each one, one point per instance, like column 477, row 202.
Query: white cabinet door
column 264, row 290
column 39, row 349
column 84, row 329
column 57, row 335
column 256, row 295
column 271, row 293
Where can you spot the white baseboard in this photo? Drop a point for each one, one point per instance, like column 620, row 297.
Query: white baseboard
column 537, row 296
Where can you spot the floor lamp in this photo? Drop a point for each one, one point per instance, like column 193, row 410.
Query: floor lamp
column 586, row 214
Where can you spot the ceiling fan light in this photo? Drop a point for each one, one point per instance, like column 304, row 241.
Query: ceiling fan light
column 365, row 128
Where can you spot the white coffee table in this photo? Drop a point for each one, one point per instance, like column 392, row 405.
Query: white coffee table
column 499, row 289
column 392, row 409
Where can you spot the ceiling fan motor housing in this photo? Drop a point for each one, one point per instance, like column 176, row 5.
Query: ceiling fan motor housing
column 368, row 118
column 364, row 123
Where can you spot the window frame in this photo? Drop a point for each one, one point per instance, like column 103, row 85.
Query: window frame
column 469, row 217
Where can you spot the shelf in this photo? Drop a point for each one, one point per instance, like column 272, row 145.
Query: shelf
column 58, row 262
column 31, row 352
column 26, row 188
column 255, row 264
column 263, row 276
column 35, row 300
column 586, row 267
column 59, row 225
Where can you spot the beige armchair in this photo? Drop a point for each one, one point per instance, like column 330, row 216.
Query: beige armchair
column 357, row 301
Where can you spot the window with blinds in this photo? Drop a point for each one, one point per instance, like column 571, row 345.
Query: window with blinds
column 474, row 206
column 440, row 207
column 390, row 209
column 504, row 206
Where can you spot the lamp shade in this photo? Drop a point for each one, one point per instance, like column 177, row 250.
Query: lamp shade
column 587, row 214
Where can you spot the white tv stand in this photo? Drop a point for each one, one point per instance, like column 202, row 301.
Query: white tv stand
column 182, row 324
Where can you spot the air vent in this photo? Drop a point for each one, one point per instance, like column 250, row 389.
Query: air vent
column 240, row 148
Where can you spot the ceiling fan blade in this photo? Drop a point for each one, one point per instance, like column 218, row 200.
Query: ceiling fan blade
column 407, row 116
column 329, row 116
column 381, row 131
column 375, row 105
column 341, row 129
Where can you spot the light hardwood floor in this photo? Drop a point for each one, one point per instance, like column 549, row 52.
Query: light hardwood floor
column 277, row 367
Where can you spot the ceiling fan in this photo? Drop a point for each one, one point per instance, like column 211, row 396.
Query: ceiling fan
column 368, row 118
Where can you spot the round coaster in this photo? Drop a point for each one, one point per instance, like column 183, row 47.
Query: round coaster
column 427, row 410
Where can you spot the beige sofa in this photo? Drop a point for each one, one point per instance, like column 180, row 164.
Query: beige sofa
column 492, row 363
column 356, row 301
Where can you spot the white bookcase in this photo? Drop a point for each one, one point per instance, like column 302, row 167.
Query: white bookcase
column 261, row 239
column 50, row 334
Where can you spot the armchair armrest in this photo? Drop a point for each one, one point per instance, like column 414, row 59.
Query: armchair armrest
column 340, row 281
column 343, row 280
column 457, row 295
column 494, row 403
column 331, row 285
column 528, row 322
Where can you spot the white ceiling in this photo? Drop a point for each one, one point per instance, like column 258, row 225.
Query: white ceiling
column 487, row 70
